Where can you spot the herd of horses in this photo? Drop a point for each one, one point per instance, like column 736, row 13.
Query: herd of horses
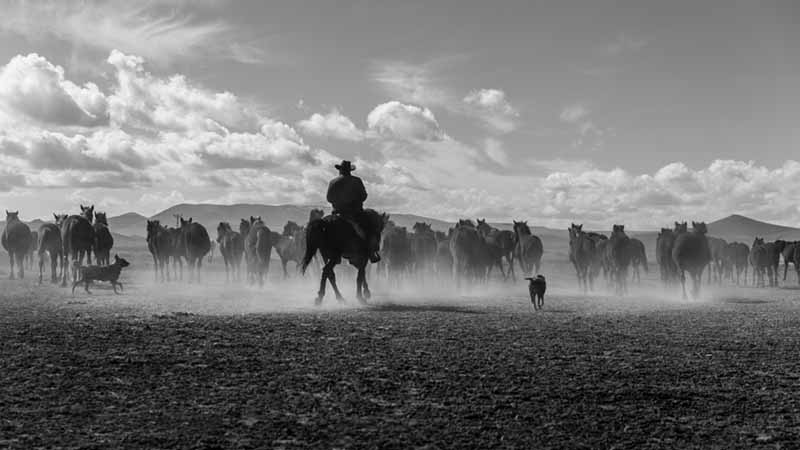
column 68, row 238
column 679, row 251
column 468, row 252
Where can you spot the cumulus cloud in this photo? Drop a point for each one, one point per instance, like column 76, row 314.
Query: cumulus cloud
column 33, row 86
column 333, row 124
column 143, row 100
column 403, row 121
column 492, row 106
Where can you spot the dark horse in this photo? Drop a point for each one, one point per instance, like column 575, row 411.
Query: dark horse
column 257, row 249
column 736, row 255
column 467, row 249
column 50, row 243
column 397, row 252
column 16, row 240
column 717, row 265
column 581, row 255
column 638, row 259
column 423, row 249
column 788, row 257
column 77, row 237
column 691, row 253
column 335, row 239
column 103, row 241
column 231, row 247
column 197, row 244
column 160, row 242
column 619, row 257
column 291, row 245
column 500, row 244
column 664, row 244
column 528, row 250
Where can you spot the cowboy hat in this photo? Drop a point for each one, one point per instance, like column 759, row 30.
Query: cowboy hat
column 345, row 166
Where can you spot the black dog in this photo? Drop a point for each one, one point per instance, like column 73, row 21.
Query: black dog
column 537, row 288
column 87, row 274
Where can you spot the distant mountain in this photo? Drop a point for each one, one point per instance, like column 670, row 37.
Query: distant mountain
column 130, row 224
column 744, row 229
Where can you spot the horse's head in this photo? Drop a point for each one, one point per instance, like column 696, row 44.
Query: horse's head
column 758, row 241
column 618, row 229
column 88, row 212
column 465, row 223
column 699, row 227
column 483, row 227
column 290, row 228
column 575, row 230
column 315, row 214
column 184, row 222
column 254, row 219
column 244, row 227
column 101, row 217
column 222, row 229
column 152, row 228
column 422, row 228
column 12, row 216
column 681, row 227
column 521, row 227
column 59, row 218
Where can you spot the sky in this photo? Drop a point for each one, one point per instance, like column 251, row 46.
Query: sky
column 595, row 112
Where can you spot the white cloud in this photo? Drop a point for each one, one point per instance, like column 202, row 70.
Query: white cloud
column 333, row 124
column 33, row 86
column 573, row 113
column 397, row 120
column 492, row 106
column 143, row 100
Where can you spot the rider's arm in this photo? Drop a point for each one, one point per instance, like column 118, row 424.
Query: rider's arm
column 329, row 197
column 363, row 190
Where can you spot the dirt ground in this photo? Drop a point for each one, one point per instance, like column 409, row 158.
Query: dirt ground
column 222, row 366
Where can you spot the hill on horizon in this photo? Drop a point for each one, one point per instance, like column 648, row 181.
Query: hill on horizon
column 741, row 228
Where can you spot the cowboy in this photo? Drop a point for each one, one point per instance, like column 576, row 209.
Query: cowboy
column 346, row 193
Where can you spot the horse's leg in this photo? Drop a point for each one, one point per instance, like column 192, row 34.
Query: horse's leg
column 332, row 278
column 11, row 263
column 367, row 293
column 683, row 282
column 359, row 280
column 323, row 280
column 283, row 265
column 198, row 270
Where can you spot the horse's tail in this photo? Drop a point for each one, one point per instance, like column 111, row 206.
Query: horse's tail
column 314, row 236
